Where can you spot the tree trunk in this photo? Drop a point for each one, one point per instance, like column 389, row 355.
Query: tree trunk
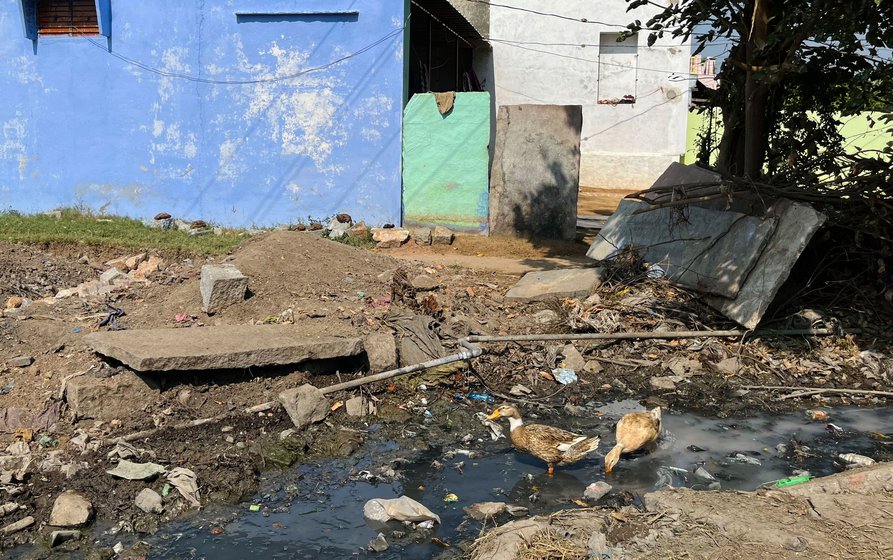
column 756, row 93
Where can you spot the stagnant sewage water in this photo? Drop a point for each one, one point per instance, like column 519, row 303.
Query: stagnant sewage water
column 316, row 510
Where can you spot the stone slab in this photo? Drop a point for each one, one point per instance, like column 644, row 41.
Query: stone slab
column 221, row 286
column 536, row 171
column 547, row 284
column 224, row 347
column 797, row 224
column 707, row 250
column 106, row 398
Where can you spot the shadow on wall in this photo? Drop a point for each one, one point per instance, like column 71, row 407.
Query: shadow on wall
column 536, row 172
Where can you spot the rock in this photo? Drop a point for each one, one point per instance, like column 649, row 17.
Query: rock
column 729, row 366
column 592, row 366
column 9, row 507
column 381, row 350
column 388, row 238
column 149, row 501
column 14, row 302
column 59, row 537
column 378, row 544
column 442, row 236
column 358, row 231
column 516, row 511
column 20, row 361
column 223, row 347
column 421, row 236
column 305, row 405
column 344, row 218
column 119, row 396
column 93, row 288
column 572, row 358
column 549, row 284
column 134, row 261
column 129, row 470
column 150, row 266
column 404, row 508
column 119, row 264
column 221, row 286
column 666, row 383
column 545, row 317
column 113, row 277
column 684, row 367
column 162, row 216
column 424, row 282
column 337, row 228
column 17, row 526
column 485, row 510
column 65, row 293
column 71, row 510
column 597, row 490
column 535, row 174
column 356, row 406
column 198, row 224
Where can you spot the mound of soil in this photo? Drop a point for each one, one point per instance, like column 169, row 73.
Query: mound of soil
column 29, row 272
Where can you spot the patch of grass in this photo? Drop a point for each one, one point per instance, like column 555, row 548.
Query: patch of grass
column 78, row 228
column 364, row 242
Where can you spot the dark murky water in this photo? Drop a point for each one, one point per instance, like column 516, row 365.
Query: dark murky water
column 315, row 511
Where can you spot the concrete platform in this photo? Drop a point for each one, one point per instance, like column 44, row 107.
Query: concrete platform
column 539, row 286
column 226, row 347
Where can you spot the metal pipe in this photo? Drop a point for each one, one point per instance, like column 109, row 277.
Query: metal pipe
column 651, row 335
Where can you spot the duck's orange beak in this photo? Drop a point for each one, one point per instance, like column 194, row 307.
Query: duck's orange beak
column 494, row 415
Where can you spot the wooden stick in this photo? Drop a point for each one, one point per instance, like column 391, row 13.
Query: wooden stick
column 818, row 390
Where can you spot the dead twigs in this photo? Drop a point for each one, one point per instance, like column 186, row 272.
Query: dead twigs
column 809, row 391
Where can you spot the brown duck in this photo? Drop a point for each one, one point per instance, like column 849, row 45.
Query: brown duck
column 553, row 445
column 634, row 431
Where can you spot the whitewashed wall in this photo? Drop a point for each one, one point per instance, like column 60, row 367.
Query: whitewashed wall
column 540, row 60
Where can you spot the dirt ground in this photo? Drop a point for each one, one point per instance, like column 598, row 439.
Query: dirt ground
column 325, row 287
column 846, row 515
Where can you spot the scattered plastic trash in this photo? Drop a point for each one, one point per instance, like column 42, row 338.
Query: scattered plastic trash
column 76, row 330
column 792, row 481
column 404, row 508
column 742, row 458
column 854, row 460
column 182, row 318
column 451, row 498
column 111, row 320
column 695, row 449
column 496, row 430
column 701, row 472
column 254, row 507
column 483, row 397
column 818, row 415
column 667, row 476
column 184, row 480
column 47, row 441
column 655, row 272
column 564, row 376
column 136, row 471
column 519, row 390
column 428, row 414
column 7, row 389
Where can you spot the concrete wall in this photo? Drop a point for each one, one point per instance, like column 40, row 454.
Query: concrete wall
column 445, row 162
column 539, row 60
column 79, row 126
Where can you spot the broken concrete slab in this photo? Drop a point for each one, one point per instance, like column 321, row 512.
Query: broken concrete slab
column 442, row 236
column 358, row 406
column 381, row 350
column 71, row 510
column 305, row 405
column 797, row 224
column 120, row 396
column 221, row 286
column 710, row 251
column 149, row 501
column 536, row 171
column 547, row 284
column 223, row 347
column 389, row 238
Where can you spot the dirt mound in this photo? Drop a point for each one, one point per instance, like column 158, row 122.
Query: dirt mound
column 33, row 273
column 313, row 276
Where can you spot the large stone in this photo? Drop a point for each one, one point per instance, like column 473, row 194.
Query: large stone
column 548, row 284
column 381, row 350
column 442, row 236
column 422, row 236
column 536, row 171
column 305, row 405
column 424, row 282
column 221, row 286
column 483, row 511
column 710, row 251
column 573, row 359
column 223, row 347
column 797, row 224
column 120, row 396
column 597, row 490
column 389, row 238
column 356, row 406
column 149, row 501
column 113, row 277
column 20, row 361
column 71, row 510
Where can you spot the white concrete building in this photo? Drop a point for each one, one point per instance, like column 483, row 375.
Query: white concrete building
column 635, row 98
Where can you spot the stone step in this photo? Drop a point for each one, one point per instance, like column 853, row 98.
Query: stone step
column 224, row 347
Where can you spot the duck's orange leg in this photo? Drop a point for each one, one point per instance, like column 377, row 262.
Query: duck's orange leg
column 551, row 470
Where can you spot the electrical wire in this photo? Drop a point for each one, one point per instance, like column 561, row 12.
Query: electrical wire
column 199, row 79
column 561, row 16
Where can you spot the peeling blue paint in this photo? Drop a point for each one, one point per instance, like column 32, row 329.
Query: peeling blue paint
column 80, row 126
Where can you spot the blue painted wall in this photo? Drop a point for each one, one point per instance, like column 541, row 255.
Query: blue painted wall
column 79, row 126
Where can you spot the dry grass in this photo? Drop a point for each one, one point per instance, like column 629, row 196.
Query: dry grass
column 549, row 545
